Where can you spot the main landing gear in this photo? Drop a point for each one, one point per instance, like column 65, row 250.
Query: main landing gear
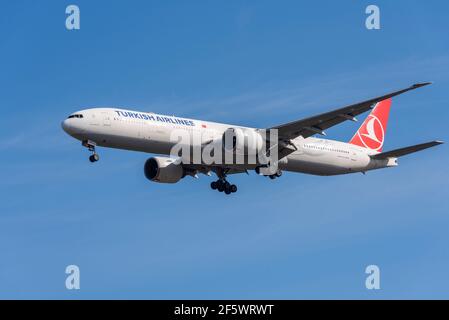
column 91, row 146
column 223, row 186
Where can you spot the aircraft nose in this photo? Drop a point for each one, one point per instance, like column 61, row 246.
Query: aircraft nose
column 66, row 125
column 70, row 127
column 74, row 124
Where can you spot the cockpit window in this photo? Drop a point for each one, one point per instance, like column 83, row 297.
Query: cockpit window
column 75, row 116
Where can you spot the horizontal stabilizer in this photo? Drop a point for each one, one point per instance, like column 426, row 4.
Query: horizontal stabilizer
column 405, row 151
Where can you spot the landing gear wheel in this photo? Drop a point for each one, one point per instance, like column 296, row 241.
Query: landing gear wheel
column 233, row 188
column 228, row 190
column 94, row 158
column 278, row 174
column 272, row 177
column 220, row 186
column 214, row 185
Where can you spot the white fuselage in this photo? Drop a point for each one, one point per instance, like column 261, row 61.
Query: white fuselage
column 150, row 133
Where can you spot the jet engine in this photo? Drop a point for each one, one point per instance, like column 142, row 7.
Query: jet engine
column 163, row 170
column 242, row 141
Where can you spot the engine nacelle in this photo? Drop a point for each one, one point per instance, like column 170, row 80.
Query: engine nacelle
column 163, row 170
column 242, row 141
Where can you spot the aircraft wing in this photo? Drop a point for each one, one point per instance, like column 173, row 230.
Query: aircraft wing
column 317, row 124
column 405, row 151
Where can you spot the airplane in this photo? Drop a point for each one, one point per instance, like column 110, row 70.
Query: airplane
column 299, row 145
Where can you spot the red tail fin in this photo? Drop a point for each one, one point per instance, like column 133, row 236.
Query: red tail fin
column 371, row 134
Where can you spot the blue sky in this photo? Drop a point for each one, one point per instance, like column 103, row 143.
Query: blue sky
column 253, row 63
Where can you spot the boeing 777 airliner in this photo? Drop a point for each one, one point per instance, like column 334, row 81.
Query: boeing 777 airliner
column 298, row 149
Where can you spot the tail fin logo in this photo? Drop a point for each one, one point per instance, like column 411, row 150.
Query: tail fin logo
column 372, row 134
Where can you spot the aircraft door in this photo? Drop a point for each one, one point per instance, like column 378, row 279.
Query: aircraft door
column 106, row 119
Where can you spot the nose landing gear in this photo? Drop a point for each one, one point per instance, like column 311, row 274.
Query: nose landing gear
column 91, row 146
